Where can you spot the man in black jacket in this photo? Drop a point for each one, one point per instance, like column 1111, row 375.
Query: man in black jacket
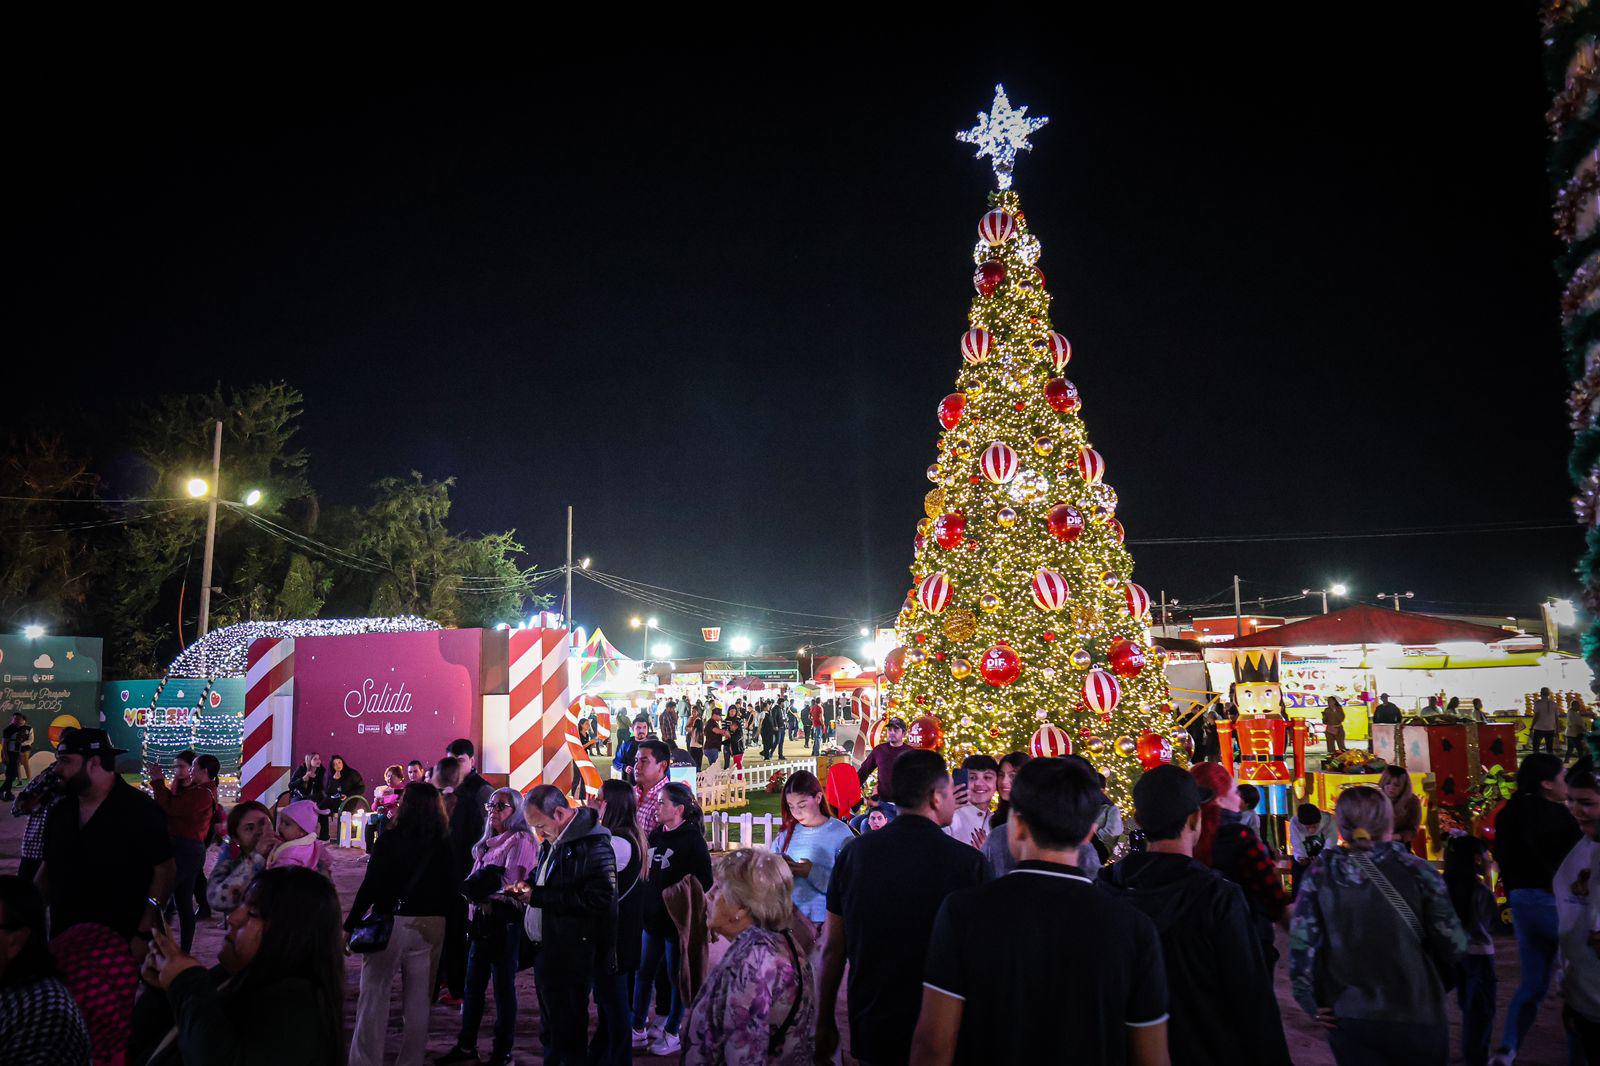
column 571, row 917
column 1219, row 990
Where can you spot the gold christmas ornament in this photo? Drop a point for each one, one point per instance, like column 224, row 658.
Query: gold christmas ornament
column 1126, row 746
column 1095, row 744
column 1085, row 615
column 960, row 447
column 1110, row 581
column 1006, row 517
column 1081, row 659
column 924, row 525
column 933, row 471
column 989, row 601
column 933, row 503
column 916, row 657
column 960, row 669
column 1044, row 445
column 960, row 624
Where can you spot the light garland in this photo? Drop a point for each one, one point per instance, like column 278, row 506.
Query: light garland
column 223, row 652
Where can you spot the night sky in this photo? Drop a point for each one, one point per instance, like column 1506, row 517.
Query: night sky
column 714, row 306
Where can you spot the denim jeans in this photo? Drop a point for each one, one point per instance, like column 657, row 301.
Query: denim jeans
column 1533, row 916
column 612, row 1044
column 1359, row 1042
column 190, row 859
column 493, row 957
column 1475, row 994
column 654, row 951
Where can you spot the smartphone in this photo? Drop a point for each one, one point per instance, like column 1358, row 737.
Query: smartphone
column 958, row 778
column 161, row 917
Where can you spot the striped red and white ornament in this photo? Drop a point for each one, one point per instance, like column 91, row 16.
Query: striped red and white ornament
column 1138, row 600
column 1050, row 591
column 1092, row 465
column 999, row 462
column 976, row 344
column 997, row 227
column 1060, row 352
column 1101, row 691
column 934, row 592
column 1050, row 742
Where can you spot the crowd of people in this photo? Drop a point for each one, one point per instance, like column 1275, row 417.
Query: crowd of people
column 989, row 911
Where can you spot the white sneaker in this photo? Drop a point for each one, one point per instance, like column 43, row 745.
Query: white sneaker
column 668, row 1044
column 642, row 1038
column 658, row 1026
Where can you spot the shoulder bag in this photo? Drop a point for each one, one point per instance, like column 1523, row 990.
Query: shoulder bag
column 373, row 930
column 1447, row 971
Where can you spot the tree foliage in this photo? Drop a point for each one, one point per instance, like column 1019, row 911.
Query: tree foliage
column 131, row 570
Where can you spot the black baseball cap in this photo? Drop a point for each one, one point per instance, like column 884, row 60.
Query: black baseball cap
column 896, row 723
column 87, row 742
column 1167, row 795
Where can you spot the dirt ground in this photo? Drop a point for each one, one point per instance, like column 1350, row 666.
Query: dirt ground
column 1306, row 1044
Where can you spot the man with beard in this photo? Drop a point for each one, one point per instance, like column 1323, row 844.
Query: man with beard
column 106, row 847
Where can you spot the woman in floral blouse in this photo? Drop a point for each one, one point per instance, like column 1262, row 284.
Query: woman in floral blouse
column 249, row 845
column 759, row 1005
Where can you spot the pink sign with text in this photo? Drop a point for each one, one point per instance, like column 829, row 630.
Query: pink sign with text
column 384, row 698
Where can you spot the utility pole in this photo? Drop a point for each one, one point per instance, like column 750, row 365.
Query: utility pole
column 566, row 603
column 1238, row 610
column 1396, row 597
column 211, row 532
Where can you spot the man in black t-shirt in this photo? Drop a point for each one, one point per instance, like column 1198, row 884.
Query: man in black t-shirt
column 106, row 846
column 1040, row 964
column 885, row 889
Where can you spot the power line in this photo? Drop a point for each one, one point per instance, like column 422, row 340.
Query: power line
column 1263, row 538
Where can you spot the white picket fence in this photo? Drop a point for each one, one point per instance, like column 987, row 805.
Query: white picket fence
column 726, row 832
column 756, row 777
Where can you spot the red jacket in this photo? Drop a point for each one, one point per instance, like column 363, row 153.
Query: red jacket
column 188, row 809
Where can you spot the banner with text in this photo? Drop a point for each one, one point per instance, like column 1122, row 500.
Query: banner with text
column 54, row 681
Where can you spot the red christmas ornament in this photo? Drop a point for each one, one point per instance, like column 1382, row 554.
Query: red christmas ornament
column 1019, row 405
column 948, row 529
column 894, row 664
column 1039, row 274
column 1101, row 691
column 934, row 592
column 1060, row 352
column 999, row 463
column 975, row 345
column 1051, row 742
column 951, row 408
column 996, row 227
column 1047, row 637
column 1116, row 530
column 1086, row 732
column 974, row 479
column 994, row 731
column 1092, row 465
column 926, row 733
column 1127, row 659
column 1138, row 600
column 1065, row 522
column 988, row 277
column 1153, row 750
column 1000, row 666
column 1050, row 591
column 919, row 542
column 1062, row 395
column 939, row 655
column 922, row 638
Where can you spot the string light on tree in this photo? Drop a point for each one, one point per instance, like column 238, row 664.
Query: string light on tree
column 1026, row 622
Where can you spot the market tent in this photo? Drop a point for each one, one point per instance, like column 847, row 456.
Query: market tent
column 832, row 665
column 1366, row 624
column 603, row 666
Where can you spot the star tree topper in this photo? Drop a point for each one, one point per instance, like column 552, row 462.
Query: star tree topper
column 1001, row 134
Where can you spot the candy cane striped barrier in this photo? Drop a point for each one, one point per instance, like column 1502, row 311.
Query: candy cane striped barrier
column 543, row 728
column 264, row 760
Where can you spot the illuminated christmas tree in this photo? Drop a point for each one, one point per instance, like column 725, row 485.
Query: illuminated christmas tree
column 1023, row 626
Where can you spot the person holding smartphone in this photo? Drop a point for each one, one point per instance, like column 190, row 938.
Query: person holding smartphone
column 974, row 786
column 810, row 842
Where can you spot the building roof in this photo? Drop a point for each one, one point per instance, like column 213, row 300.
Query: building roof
column 1366, row 624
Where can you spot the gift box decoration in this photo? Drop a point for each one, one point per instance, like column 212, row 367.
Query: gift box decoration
column 1459, row 755
column 1388, row 745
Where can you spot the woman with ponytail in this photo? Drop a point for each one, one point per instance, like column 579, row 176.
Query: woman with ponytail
column 1375, row 941
column 677, row 850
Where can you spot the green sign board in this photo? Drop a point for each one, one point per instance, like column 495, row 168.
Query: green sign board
column 54, row 681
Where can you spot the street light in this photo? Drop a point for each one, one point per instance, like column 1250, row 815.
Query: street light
column 1338, row 588
column 196, row 487
column 648, row 624
column 33, row 632
column 1396, row 597
column 866, row 632
column 252, row 497
column 662, row 651
column 740, row 645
